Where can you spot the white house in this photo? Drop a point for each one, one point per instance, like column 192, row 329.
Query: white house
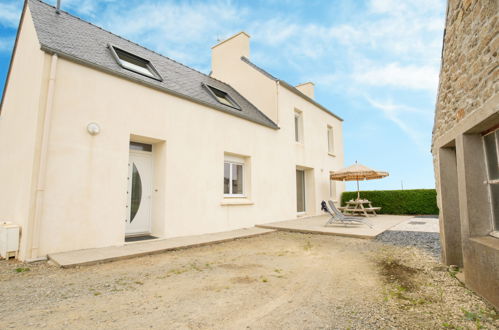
column 101, row 139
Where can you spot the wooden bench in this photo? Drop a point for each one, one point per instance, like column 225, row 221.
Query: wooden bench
column 367, row 209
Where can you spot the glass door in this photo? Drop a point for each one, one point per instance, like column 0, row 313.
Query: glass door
column 300, row 191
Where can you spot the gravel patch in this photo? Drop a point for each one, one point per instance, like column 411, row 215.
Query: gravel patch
column 427, row 241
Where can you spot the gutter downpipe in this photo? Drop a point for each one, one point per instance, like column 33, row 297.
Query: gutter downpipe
column 42, row 173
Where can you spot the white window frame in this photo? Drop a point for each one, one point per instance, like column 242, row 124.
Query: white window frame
column 298, row 126
column 330, row 140
column 150, row 71
column 489, row 182
column 226, row 99
column 232, row 160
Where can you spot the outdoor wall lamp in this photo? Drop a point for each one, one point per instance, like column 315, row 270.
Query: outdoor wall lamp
column 93, row 128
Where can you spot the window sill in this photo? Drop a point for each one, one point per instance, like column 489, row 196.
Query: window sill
column 236, row 201
column 488, row 241
column 298, row 143
column 301, row 214
column 331, row 154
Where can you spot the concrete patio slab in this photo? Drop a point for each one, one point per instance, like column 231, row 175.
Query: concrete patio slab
column 429, row 225
column 137, row 249
column 315, row 225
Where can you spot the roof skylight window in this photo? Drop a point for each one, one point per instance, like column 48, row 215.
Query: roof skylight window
column 222, row 97
column 134, row 63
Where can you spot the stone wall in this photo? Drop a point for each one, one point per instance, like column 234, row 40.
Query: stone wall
column 469, row 74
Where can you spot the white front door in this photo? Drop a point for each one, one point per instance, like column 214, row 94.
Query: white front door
column 139, row 193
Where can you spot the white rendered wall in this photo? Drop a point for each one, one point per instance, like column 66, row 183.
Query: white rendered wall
column 20, row 121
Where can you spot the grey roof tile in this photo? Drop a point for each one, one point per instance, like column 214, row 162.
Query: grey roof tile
column 74, row 38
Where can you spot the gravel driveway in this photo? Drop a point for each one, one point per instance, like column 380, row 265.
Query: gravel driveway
column 275, row 281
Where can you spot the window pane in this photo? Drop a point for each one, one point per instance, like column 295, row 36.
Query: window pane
column 131, row 59
column 297, row 136
column 135, row 63
column 136, row 192
column 133, row 67
column 224, row 100
column 226, row 178
column 222, row 97
column 330, row 140
column 237, row 179
column 140, row 146
column 491, row 154
column 494, row 196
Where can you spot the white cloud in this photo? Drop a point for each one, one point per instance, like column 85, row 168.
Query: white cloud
column 184, row 31
column 10, row 13
column 400, row 115
column 84, row 7
column 6, row 44
column 395, row 75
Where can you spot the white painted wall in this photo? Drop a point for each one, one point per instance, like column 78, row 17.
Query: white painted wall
column 20, row 120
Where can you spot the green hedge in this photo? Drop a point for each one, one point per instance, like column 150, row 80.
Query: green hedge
column 416, row 201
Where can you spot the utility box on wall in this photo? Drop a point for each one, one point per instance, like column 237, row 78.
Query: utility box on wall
column 9, row 239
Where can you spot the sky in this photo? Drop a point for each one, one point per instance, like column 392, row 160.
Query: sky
column 375, row 63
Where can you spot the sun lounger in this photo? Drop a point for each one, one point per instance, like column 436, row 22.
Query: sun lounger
column 338, row 217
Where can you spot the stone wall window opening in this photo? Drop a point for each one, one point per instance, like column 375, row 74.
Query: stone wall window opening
column 491, row 148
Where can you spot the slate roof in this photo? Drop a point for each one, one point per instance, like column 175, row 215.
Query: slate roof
column 289, row 86
column 81, row 41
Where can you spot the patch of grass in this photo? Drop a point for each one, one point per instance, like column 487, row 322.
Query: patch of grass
column 264, row 279
column 450, row 326
column 139, row 282
column 453, row 271
column 471, row 316
column 277, row 270
column 398, row 292
column 22, row 270
column 97, row 293
column 176, row 271
column 307, row 246
column 196, row 267
column 480, row 317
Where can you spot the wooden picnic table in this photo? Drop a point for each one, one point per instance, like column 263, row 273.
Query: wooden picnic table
column 356, row 207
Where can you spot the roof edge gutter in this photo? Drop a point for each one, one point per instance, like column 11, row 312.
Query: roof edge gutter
column 297, row 92
column 288, row 86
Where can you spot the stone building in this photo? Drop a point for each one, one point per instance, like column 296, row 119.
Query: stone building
column 466, row 144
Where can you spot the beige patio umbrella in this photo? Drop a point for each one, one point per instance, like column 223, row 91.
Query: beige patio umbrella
column 357, row 172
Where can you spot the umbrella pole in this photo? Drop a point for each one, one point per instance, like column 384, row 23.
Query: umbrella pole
column 358, row 192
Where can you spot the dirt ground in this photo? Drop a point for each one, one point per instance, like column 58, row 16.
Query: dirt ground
column 274, row 281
